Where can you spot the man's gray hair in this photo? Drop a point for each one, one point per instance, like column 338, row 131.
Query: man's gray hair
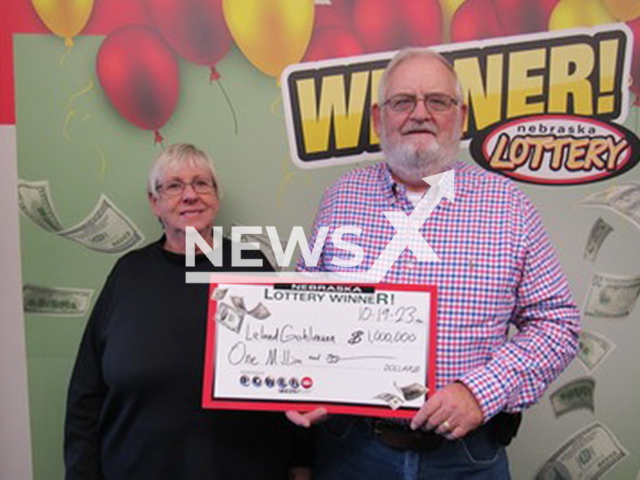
column 175, row 156
column 413, row 52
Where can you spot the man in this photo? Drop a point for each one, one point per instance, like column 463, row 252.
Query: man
column 496, row 268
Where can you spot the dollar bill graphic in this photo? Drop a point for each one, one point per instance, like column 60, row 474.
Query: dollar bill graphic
column 612, row 296
column 411, row 391
column 227, row 316
column 259, row 312
column 594, row 348
column 219, row 294
column 34, row 200
column 623, row 199
column 574, row 396
column 599, row 231
column 106, row 229
column 394, row 401
column 58, row 301
column 238, row 303
column 587, row 455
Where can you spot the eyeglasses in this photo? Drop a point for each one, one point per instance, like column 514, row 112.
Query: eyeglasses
column 174, row 188
column 434, row 102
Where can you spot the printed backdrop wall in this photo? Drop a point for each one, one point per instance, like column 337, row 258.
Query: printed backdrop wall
column 551, row 86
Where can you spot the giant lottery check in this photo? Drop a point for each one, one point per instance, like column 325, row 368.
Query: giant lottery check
column 351, row 348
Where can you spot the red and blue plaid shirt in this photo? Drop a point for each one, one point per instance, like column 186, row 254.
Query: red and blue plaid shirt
column 497, row 267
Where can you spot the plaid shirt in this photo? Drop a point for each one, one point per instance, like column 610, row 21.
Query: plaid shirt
column 496, row 267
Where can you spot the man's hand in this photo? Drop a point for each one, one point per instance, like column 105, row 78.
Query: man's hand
column 453, row 411
column 308, row 418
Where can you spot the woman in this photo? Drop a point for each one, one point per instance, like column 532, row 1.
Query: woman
column 133, row 409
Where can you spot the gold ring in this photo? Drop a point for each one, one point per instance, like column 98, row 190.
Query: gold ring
column 446, row 425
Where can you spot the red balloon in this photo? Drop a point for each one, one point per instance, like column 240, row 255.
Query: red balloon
column 479, row 19
column 332, row 42
column 139, row 74
column 475, row 20
column 634, row 25
column 338, row 14
column 389, row 25
column 195, row 29
column 523, row 16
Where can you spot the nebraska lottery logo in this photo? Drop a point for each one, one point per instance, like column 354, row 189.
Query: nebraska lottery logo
column 556, row 149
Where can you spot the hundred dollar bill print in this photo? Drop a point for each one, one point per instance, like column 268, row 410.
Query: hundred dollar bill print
column 34, row 200
column 612, row 296
column 594, row 348
column 411, row 391
column 623, row 199
column 106, row 229
column 599, row 232
column 56, row 301
column 575, row 395
column 588, row 455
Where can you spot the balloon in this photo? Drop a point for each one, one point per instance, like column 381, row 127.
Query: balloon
column 479, row 19
column 475, row 20
column 195, row 29
column 65, row 18
column 332, row 42
column 623, row 10
column 449, row 7
column 139, row 74
column 335, row 15
column 635, row 59
column 579, row 13
column 384, row 25
column 523, row 16
column 271, row 33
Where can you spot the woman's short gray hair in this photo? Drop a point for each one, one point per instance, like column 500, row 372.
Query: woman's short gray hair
column 412, row 52
column 175, row 156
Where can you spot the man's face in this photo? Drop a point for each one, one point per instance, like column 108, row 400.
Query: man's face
column 419, row 137
column 189, row 208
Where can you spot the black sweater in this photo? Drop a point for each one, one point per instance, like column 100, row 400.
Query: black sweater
column 133, row 409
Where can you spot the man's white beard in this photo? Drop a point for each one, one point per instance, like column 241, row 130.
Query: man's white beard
column 411, row 164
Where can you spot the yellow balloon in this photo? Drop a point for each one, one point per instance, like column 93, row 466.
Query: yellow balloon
column 65, row 18
column 271, row 33
column 449, row 7
column 623, row 10
column 579, row 13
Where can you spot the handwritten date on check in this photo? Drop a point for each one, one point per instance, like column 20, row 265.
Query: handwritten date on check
column 357, row 349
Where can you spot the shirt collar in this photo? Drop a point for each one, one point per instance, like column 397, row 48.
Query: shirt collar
column 398, row 191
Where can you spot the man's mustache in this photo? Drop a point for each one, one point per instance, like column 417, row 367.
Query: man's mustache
column 426, row 128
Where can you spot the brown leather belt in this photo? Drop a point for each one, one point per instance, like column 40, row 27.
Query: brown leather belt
column 502, row 428
column 403, row 438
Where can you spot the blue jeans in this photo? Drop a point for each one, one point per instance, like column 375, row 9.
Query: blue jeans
column 347, row 449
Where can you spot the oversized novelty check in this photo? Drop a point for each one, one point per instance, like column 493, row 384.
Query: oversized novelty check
column 359, row 349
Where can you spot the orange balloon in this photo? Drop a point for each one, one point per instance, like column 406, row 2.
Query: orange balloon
column 623, row 10
column 65, row 18
column 271, row 33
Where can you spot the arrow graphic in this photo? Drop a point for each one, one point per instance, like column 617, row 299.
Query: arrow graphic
column 408, row 227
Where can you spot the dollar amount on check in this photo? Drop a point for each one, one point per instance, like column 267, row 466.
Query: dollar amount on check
column 358, row 349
